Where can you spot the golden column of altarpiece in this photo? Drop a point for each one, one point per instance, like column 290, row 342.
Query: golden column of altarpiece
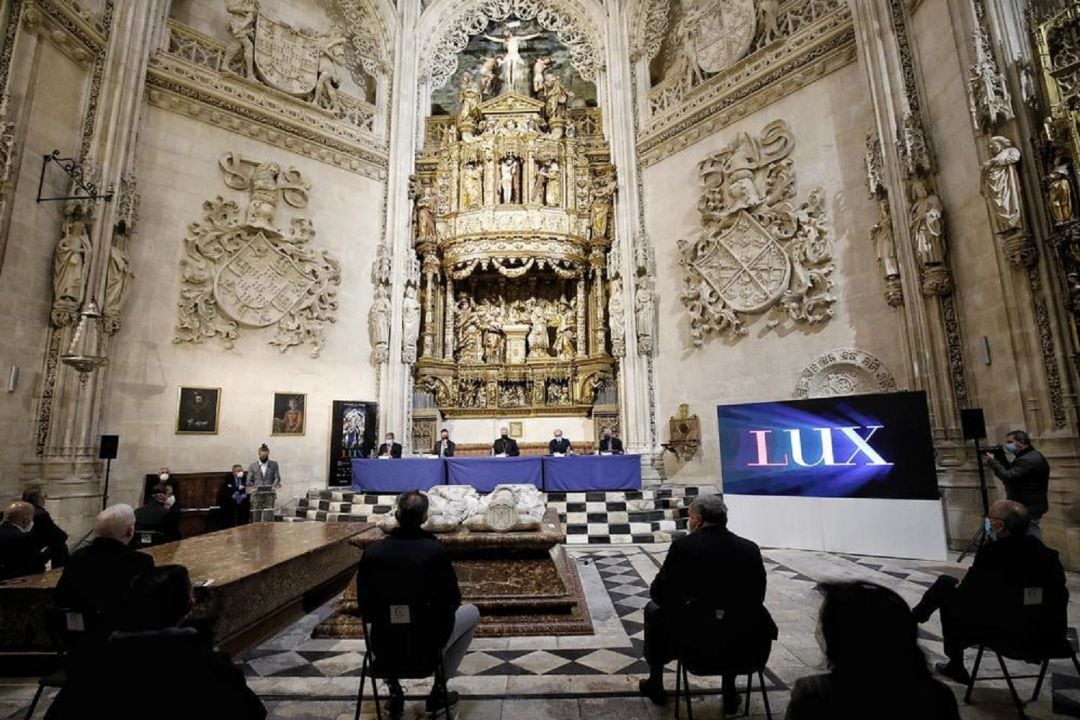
column 513, row 224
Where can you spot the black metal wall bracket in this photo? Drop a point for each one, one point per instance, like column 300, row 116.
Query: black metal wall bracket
column 74, row 171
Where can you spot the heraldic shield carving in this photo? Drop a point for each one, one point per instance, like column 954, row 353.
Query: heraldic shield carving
column 240, row 270
column 286, row 58
column 758, row 251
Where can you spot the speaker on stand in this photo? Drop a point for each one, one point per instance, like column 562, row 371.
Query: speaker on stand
column 107, row 452
column 973, row 423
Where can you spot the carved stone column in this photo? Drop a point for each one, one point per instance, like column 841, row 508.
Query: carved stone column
column 431, row 270
column 448, row 329
column 599, row 334
column 582, row 333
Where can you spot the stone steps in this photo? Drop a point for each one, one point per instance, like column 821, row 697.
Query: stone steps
column 589, row 518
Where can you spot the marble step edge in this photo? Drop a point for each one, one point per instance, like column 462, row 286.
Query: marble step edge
column 662, row 493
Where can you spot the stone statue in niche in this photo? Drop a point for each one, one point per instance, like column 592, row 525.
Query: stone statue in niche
column 510, row 170
column 927, row 224
column 539, row 341
column 468, row 334
column 1060, row 194
column 546, row 187
column 472, row 186
column 71, row 261
column 410, row 324
column 242, row 29
column 602, row 191
column 488, row 65
column 117, row 281
column 514, row 73
column 539, row 67
column 884, row 243
column 565, row 335
column 331, row 59
column 469, row 97
column 556, row 98
column 426, row 205
column 615, row 318
column 379, row 324
column 686, row 39
column 645, row 315
column 1001, row 183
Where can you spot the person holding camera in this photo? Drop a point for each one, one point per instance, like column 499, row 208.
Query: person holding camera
column 1026, row 478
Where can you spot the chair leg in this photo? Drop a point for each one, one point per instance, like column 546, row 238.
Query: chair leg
column 764, row 695
column 360, row 692
column 974, row 674
column 1012, row 688
column 375, row 696
column 749, row 694
column 34, row 702
column 440, row 677
column 686, row 687
column 1075, row 662
column 678, row 688
column 1039, row 680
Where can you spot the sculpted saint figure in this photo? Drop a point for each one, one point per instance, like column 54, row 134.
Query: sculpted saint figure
column 1059, row 195
column 542, row 63
column 686, row 35
column 71, row 258
column 472, row 186
column 469, row 96
column 556, row 97
column 539, row 342
column 410, row 324
column 600, row 212
column 242, row 28
column 884, row 244
column 425, row 215
column 116, row 281
column 508, row 180
column 329, row 78
column 1001, row 183
column 615, row 317
column 488, row 63
column 379, row 319
column 645, row 315
column 565, row 336
column 927, row 225
column 514, row 73
column 553, row 188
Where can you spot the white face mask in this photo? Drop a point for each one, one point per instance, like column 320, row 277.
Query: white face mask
column 239, row 476
column 163, row 476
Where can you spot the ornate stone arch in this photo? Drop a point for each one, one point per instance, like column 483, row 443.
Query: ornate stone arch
column 372, row 25
column 648, row 26
column 446, row 27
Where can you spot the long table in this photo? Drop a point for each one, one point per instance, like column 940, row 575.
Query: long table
column 576, row 473
column 555, row 474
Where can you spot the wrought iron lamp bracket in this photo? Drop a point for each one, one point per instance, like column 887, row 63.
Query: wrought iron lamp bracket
column 74, row 171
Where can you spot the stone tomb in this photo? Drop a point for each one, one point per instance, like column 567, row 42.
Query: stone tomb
column 522, row 582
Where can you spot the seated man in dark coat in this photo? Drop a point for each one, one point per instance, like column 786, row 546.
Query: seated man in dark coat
column 1011, row 572
column 411, row 568
column 390, row 448
column 609, row 443
column 156, row 516
column 559, row 445
column 46, row 532
column 711, row 567
column 444, row 446
column 20, row 553
column 152, row 645
column 234, row 498
column 505, row 445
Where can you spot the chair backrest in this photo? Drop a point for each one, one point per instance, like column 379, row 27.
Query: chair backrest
column 1035, row 619
column 402, row 640
column 715, row 640
column 147, row 538
column 74, row 630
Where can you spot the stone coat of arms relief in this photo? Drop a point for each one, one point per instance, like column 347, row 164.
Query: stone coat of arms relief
column 240, row 270
column 759, row 249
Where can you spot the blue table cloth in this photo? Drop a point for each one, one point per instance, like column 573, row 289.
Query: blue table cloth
column 578, row 473
column 484, row 473
column 397, row 475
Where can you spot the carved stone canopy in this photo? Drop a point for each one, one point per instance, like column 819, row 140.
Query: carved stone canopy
column 844, row 371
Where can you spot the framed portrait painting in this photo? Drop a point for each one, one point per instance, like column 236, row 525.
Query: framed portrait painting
column 197, row 411
column 517, row 429
column 289, row 413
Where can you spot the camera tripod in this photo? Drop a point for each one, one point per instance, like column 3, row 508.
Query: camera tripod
column 979, row 537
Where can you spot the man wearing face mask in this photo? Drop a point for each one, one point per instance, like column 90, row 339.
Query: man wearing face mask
column 156, row 516
column 165, row 478
column 559, row 445
column 390, row 449
column 1026, row 478
column 19, row 553
column 445, row 446
column 235, row 498
column 1011, row 568
column 504, row 445
column 609, row 445
column 264, row 474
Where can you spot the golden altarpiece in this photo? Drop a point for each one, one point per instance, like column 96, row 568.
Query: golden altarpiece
column 512, row 228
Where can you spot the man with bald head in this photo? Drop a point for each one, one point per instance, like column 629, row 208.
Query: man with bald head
column 504, row 445
column 97, row 577
column 1013, row 572
column 19, row 553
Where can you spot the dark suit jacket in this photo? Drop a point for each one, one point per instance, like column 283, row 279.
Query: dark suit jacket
column 155, row 517
column 507, row 446
column 395, row 450
column 50, row 536
column 97, row 577
column 20, row 553
column 559, row 445
column 409, row 568
column 127, row 680
column 1026, row 480
column 449, row 452
column 612, row 445
column 828, row 696
column 990, row 598
column 713, row 565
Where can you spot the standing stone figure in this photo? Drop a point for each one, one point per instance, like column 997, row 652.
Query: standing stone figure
column 1001, row 183
column 488, row 63
column 539, row 342
column 600, row 212
column 615, row 318
column 514, row 73
column 410, row 325
column 553, row 189
column 71, row 260
column 1059, row 195
column 884, row 243
column 425, row 215
column 242, row 28
column 927, row 225
column 686, row 35
column 469, row 96
column 379, row 323
column 542, row 63
column 329, row 78
column 116, row 283
column 508, row 179
column 472, row 186
column 645, row 315
column 556, row 98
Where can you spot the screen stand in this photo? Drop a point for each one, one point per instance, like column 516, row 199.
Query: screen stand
column 979, row 537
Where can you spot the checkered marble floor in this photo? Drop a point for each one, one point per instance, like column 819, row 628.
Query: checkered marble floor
column 595, row 676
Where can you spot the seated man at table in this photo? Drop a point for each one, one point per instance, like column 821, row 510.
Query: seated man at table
column 389, row 449
column 410, row 568
column 21, row 553
column 235, row 498
column 559, row 445
column 504, row 445
column 609, row 444
column 444, row 447
column 156, row 516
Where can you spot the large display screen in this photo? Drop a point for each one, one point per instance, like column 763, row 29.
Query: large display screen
column 858, row 446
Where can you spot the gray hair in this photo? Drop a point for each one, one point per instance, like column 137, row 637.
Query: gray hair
column 711, row 509
column 115, row 522
column 1020, row 435
column 1014, row 515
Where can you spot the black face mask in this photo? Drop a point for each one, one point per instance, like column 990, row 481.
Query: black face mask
column 504, row 436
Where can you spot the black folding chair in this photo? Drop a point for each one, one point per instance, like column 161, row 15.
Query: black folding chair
column 70, row 631
column 1063, row 651
column 147, row 538
column 720, row 642
column 400, row 646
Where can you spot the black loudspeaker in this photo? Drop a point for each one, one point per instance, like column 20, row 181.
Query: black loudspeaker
column 109, row 445
column 973, row 423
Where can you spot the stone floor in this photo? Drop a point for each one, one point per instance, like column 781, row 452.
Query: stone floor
column 595, row 677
